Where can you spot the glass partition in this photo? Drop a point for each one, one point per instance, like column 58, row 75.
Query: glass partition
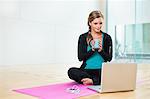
column 132, row 41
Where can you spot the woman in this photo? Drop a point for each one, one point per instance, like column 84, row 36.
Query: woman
column 92, row 57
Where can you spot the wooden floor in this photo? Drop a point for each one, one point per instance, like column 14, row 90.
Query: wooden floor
column 23, row 76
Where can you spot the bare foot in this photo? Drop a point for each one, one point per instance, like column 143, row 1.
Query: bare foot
column 87, row 81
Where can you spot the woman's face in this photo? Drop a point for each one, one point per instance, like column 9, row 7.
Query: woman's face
column 96, row 25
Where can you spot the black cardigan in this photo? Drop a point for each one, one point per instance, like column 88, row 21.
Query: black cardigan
column 83, row 54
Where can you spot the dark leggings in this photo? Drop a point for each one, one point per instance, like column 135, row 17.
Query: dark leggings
column 78, row 74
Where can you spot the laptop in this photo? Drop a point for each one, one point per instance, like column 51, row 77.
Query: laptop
column 116, row 77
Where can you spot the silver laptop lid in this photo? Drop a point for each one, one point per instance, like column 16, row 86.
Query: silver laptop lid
column 118, row 77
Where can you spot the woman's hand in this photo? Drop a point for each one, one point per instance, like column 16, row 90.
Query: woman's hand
column 100, row 47
column 92, row 42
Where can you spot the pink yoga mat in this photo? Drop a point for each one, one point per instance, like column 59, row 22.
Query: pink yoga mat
column 57, row 91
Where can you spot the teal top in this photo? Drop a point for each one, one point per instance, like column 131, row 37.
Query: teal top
column 95, row 61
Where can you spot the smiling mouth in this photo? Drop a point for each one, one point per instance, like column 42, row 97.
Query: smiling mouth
column 97, row 29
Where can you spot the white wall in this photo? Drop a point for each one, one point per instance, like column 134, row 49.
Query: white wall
column 1, row 42
column 142, row 11
column 42, row 31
